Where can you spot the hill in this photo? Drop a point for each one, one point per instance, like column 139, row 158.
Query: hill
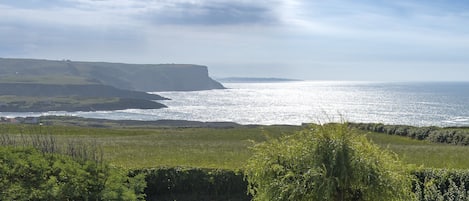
column 140, row 77
column 79, row 90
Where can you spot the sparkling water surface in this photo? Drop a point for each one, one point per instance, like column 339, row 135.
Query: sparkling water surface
column 419, row 104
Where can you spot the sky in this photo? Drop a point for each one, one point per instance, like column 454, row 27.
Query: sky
column 368, row 40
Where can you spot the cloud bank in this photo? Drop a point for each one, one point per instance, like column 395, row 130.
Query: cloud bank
column 238, row 38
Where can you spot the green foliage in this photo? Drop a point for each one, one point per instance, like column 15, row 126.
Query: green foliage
column 145, row 145
column 455, row 136
column 27, row 174
column 327, row 162
column 77, row 149
column 441, row 185
column 193, row 184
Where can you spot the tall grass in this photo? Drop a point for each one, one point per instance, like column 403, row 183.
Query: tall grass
column 225, row 148
column 49, row 143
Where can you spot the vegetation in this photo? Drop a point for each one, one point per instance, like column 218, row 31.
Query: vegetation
column 206, row 163
column 423, row 153
column 27, row 174
column 455, row 136
column 441, row 185
column 326, row 163
column 131, row 148
column 148, row 146
column 191, row 184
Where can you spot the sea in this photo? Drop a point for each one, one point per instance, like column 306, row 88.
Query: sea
column 297, row 102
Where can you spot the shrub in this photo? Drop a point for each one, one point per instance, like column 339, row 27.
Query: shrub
column 441, row 184
column 327, row 162
column 27, row 174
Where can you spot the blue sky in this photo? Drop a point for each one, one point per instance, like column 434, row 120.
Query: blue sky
column 373, row 40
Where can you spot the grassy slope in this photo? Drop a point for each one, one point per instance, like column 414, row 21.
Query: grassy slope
column 140, row 77
column 72, row 103
column 61, row 80
column 226, row 148
column 424, row 153
column 69, row 93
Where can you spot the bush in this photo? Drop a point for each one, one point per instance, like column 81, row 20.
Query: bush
column 27, row 174
column 327, row 162
column 441, row 184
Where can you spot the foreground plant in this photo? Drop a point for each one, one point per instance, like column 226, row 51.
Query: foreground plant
column 28, row 174
column 328, row 162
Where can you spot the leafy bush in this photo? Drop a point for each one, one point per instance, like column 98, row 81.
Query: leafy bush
column 27, row 174
column 327, row 162
column 441, row 184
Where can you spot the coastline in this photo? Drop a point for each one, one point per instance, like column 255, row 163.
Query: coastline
column 170, row 123
column 109, row 123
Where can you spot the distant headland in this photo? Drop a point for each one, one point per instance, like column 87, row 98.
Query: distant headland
column 33, row 85
column 140, row 77
column 254, row 80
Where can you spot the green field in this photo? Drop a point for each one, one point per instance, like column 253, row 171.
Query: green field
column 28, row 101
column 12, row 103
column 222, row 148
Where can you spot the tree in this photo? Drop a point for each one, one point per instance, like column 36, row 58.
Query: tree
column 326, row 162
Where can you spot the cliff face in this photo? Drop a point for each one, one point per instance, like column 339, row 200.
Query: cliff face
column 174, row 78
column 140, row 77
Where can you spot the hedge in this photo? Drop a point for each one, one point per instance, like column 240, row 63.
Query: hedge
column 450, row 135
column 186, row 184
column 192, row 184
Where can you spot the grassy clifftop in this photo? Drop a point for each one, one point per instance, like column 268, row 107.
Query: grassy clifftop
column 72, row 103
column 31, row 85
column 80, row 90
column 20, row 96
column 50, row 92
column 140, row 77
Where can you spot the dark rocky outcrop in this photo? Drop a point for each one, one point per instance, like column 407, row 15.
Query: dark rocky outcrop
column 31, row 85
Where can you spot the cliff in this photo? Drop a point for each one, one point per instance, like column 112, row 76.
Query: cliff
column 140, row 77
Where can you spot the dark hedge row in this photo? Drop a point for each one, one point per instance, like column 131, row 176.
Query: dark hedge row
column 168, row 184
column 184, row 184
column 441, row 184
column 456, row 136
